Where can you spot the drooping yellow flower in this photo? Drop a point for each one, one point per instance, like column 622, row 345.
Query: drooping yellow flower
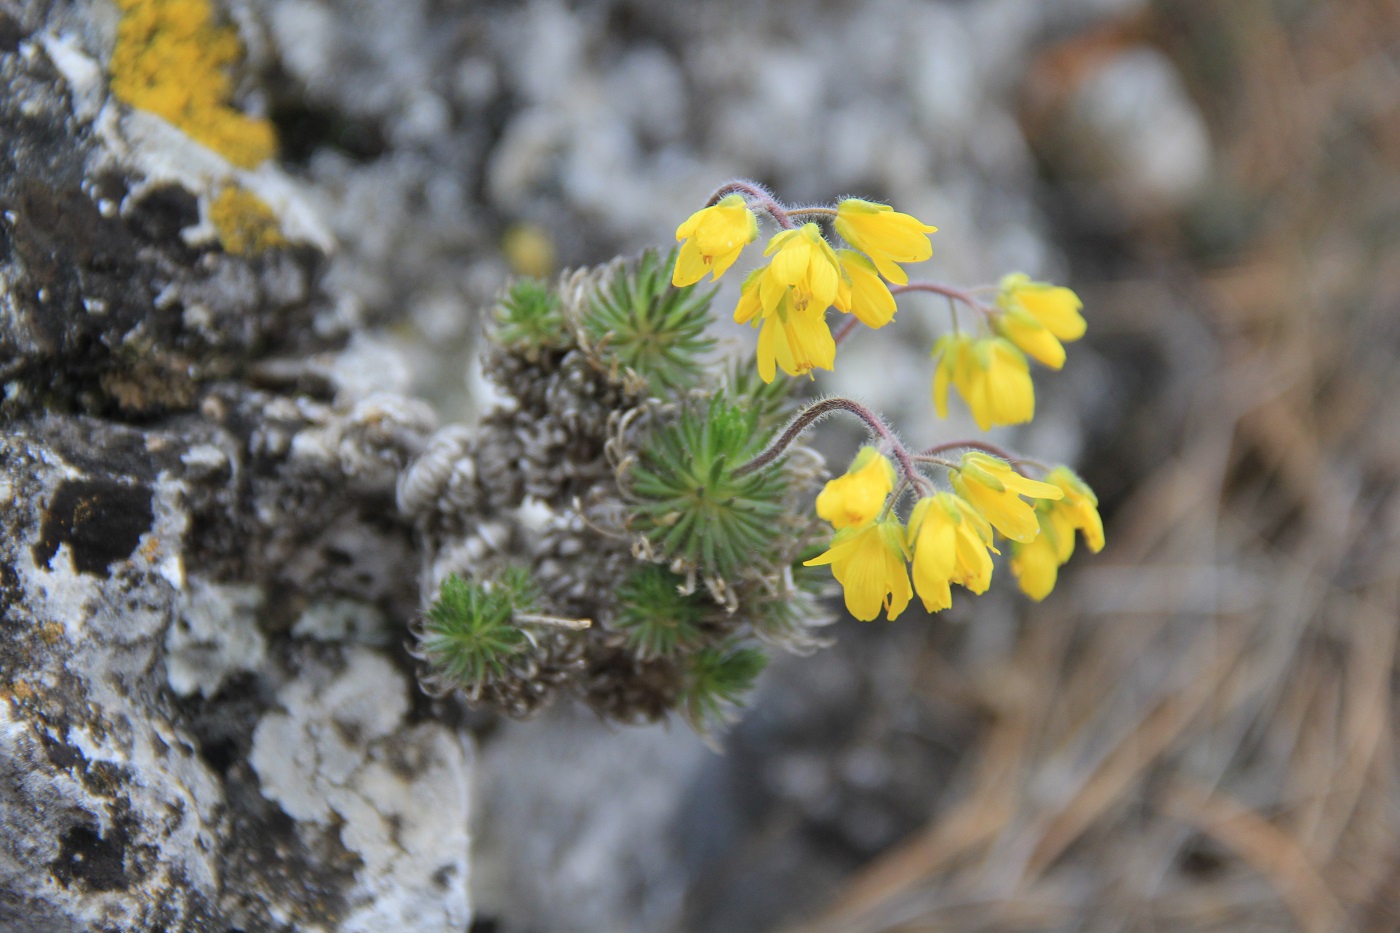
column 1037, row 316
column 1037, row 563
column 1079, row 509
column 990, row 374
column 994, row 489
column 714, row 236
column 804, row 262
column 950, row 543
column 1054, row 306
column 798, row 341
column 885, row 235
column 869, row 562
column 792, row 294
column 858, row 496
column 861, row 292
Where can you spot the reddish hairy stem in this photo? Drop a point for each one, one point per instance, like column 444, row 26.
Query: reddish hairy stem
column 983, row 446
column 819, row 410
column 751, row 190
column 947, row 291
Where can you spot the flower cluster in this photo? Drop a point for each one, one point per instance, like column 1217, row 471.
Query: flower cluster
column 990, row 372
column 788, row 298
column 950, row 536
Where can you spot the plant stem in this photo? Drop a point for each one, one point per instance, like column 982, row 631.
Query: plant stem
column 756, row 192
column 983, row 446
column 812, row 212
column 947, row 291
column 845, row 330
column 531, row 618
column 819, row 410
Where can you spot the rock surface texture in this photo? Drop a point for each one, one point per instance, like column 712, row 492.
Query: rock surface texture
column 206, row 721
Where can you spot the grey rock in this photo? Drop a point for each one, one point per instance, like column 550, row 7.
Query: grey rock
column 126, row 807
column 197, row 474
column 339, row 758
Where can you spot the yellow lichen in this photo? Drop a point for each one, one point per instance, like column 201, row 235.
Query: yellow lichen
column 246, row 225
column 171, row 59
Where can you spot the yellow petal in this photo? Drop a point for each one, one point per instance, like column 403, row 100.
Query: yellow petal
column 690, row 266
column 749, row 306
column 1080, row 506
column 935, row 555
column 1007, row 512
column 769, row 340
column 1032, row 337
column 974, row 569
column 885, row 235
column 999, row 384
column 858, row 496
column 809, row 341
column 869, row 298
column 1057, row 308
column 1036, row 567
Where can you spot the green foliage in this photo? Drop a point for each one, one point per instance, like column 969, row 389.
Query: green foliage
column 468, row 636
column 639, row 321
column 657, row 618
column 716, row 680
column 771, row 402
column 528, row 315
column 689, row 504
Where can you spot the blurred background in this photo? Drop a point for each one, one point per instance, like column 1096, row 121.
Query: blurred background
column 1195, row 731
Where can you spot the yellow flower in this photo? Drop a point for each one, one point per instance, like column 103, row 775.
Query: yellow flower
column 1037, row 563
column 950, row 542
column 714, row 236
column 857, row 497
column 798, row 341
column 994, row 489
column 1037, row 316
column 869, row 562
column 885, row 235
column 1054, row 306
column 1079, row 509
column 792, row 294
column 990, row 374
column 805, row 263
column 861, row 292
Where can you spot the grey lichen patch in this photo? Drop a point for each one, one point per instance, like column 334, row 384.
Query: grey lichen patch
column 342, row 620
column 109, row 815
column 215, row 635
column 339, row 758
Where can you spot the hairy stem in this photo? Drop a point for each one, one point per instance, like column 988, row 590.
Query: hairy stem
column 931, row 453
column 812, row 212
column 754, row 192
column 947, row 291
column 819, row 410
